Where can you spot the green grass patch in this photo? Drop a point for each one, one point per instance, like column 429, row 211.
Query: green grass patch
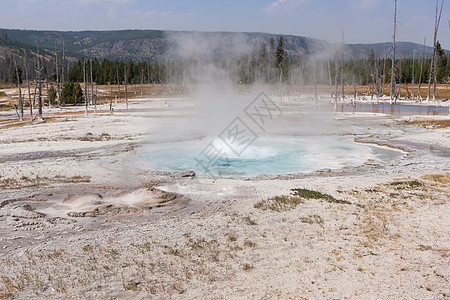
column 312, row 219
column 310, row 194
column 249, row 221
column 289, row 202
column 279, row 203
column 404, row 183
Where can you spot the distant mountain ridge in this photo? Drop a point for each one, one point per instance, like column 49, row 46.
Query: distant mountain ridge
column 152, row 45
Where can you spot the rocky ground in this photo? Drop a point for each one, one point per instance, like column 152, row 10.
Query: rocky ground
column 78, row 219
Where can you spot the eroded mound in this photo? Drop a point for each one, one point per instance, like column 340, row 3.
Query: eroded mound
column 137, row 201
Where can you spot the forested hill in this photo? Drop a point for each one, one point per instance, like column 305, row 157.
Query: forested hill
column 144, row 45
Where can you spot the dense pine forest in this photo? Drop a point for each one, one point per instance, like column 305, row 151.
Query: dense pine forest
column 266, row 64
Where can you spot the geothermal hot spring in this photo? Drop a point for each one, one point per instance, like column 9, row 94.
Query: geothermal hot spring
column 300, row 139
column 273, row 156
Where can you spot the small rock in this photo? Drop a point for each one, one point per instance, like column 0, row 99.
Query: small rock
column 185, row 174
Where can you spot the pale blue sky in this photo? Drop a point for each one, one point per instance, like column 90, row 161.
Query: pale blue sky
column 363, row 21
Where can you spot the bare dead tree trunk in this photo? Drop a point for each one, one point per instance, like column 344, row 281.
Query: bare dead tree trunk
column 48, row 92
column 39, row 85
column 384, row 73
column 435, row 92
column 142, row 81
column 372, row 77
column 377, row 80
column 316, row 99
column 110, row 98
column 92, row 90
column 437, row 20
column 63, row 75
column 88, row 83
column 118, row 83
column 393, row 56
column 329, row 71
column 20, row 91
column 361, row 88
column 13, row 105
column 35, row 93
column 86, row 102
column 400, row 78
column 354, row 89
column 336, row 75
column 419, row 96
column 302, row 69
column 126, row 91
column 342, row 66
column 40, row 98
column 28, row 86
column 148, row 71
column 58, row 95
column 412, row 78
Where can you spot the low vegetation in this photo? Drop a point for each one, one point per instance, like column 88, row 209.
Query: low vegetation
column 279, row 203
column 400, row 184
column 150, row 265
column 89, row 137
column 249, row 221
column 289, row 202
column 312, row 219
column 430, row 124
column 440, row 178
column 309, row 194
column 26, row 181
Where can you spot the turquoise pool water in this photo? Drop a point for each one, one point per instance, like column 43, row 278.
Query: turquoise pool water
column 258, row 158
column 273, row 156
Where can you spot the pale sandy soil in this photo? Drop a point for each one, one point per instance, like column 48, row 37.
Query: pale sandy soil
column 79, row 219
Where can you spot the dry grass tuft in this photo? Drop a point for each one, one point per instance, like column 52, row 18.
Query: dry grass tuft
column 400, row 184
column 25, row 181
column 309, row 194
column 249, row 221
column 89, row 137
column 430, row 124
column 289, row 202
column 444, row 179
column 279, row 203
column 312, row 219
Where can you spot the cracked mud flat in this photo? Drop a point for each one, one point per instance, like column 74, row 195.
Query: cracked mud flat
column 78, row 219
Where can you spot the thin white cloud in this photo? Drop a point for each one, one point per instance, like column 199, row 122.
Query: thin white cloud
column 160, row 14
column 273, row 6
column 115, row 2
column 364, row 5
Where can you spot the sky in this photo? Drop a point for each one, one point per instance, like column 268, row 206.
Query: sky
column 362, row 21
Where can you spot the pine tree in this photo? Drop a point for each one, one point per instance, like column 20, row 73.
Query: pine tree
column 279, row 53
column 262, row 62
column 441, row 64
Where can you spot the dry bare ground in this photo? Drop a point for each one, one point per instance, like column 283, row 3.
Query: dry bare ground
column 375, row 231
column 387, row 241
